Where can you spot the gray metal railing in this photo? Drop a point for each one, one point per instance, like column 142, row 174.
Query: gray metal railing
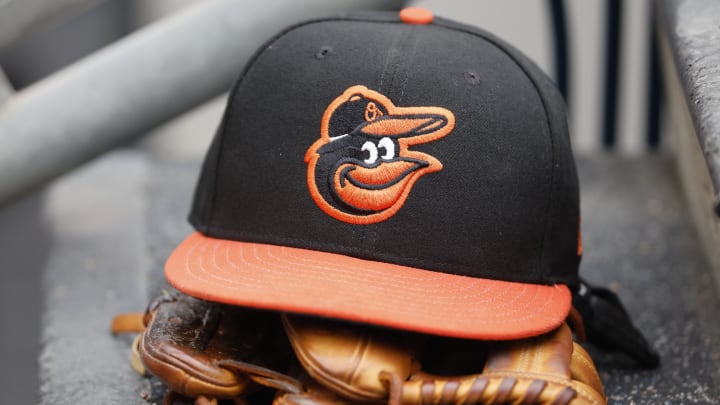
column 139, row 82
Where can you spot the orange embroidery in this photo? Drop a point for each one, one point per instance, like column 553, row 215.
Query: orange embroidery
column 372, row 112
column 361, row 170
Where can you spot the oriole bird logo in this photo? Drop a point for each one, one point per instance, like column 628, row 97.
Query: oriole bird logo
column 361, row 169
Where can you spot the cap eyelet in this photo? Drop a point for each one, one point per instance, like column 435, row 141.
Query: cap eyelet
column 472, row 77
column 323, row 52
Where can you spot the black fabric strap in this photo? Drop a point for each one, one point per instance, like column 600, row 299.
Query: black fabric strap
column 609, row 326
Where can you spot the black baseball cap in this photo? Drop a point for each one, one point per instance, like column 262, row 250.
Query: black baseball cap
column 400, row 170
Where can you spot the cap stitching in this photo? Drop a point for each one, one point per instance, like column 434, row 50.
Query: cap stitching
column 411, row 57
column 388, row 59
column 259, row 238
column 494, row 42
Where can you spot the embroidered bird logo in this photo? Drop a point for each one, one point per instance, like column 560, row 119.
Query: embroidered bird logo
column 361, row 169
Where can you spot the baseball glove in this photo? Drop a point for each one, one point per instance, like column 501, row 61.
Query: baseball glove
column 363, row 364
column 208, row 351
column 212, row 352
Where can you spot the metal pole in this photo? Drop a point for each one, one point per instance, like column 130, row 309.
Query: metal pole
column 19, row 17
column 137, row 83
column 612, row 67
column 560, row 36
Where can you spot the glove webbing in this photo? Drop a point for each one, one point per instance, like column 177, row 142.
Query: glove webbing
column 484, row 389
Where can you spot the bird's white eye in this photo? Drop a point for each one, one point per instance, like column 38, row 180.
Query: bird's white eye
column 387, row 144
column 372, row 150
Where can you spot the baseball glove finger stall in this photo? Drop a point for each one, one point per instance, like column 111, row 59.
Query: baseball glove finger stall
column 349, row 358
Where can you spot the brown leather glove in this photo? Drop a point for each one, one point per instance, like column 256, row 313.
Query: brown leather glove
column 209, row 351
column 364, row 364
column 550, row 369
column 348, row 359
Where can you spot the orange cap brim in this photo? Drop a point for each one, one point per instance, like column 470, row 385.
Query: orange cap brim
column 337, row 286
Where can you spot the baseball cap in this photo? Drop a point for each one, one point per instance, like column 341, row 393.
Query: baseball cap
column 400, row 170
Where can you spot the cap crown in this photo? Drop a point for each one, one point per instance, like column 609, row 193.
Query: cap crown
column 502, row 204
